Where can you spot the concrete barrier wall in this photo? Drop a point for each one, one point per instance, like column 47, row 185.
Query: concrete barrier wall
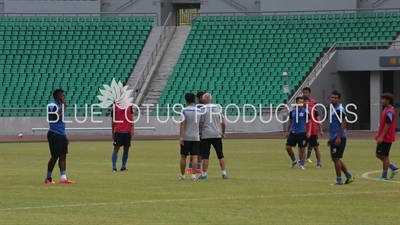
column 164, row 125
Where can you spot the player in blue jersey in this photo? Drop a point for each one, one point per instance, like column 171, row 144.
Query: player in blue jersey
column 338, row 138
column 57, row 138
column 199, row 104
column 296, row 132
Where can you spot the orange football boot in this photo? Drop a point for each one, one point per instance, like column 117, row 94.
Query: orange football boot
column 66, row 182
column 49, row 181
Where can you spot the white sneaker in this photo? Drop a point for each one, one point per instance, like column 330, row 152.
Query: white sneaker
column 292, row 165
column 302, row 167
column 194, row 179
column 181, row 178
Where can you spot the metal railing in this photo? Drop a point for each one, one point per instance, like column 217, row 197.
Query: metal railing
column 235, row 5
column 341, row 45
column 90, row 128
column 150, row 60
column 257, row 13
column 126, row 5
column 91, row 14
column 378, row 3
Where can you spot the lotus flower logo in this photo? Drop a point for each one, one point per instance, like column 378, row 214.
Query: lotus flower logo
column 117, row 94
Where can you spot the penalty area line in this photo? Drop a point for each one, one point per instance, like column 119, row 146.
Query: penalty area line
column 366, row 176
column 196, row 199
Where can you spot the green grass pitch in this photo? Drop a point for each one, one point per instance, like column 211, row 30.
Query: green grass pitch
column 261, row 188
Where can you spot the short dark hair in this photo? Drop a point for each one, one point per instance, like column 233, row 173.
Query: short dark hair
column 388, row 96
column 57, row 92
column 337, row 94
column 200, row 94
column 306, row 98
column 298, row 98
column 307, row 89
column 190, row 97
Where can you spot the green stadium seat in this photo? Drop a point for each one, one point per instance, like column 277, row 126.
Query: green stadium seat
column 240, row 59
column 78, row 55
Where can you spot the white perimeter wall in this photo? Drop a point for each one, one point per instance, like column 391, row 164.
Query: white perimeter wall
column 11, row 126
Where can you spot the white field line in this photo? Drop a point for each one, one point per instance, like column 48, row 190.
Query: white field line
column 366, row 176
column 198, row 199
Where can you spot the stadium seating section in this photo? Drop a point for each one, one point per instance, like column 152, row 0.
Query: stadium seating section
column 79, row 55
column 240, row 59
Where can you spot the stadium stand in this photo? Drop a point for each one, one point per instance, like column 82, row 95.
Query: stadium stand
column 38, row 55
column 240, row 59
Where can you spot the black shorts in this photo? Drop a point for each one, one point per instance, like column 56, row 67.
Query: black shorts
column 190, row 148
column 58, row 144
column 383, row 148
column 337, row 151
column 297, row 139
column 313, row 141
column 206, row 147
column 122, row 139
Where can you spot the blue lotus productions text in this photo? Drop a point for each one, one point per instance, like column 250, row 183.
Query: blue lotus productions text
column 246, row 113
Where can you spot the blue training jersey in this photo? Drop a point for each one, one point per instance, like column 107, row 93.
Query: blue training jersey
column 55, row 126
column 299, row 119
column 338, row 114
column 197, row 105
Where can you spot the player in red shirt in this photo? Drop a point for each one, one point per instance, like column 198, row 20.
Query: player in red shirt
column 313, row 142
column 122, row 132
column 386, row 135
column 306, row 93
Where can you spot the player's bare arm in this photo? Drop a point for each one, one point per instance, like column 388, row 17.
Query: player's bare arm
column 181, row 130
column 60, row 115
column 201, row 126
column 309, row 126
column 288, row 125
column 59, row 112
column 223, row 126
column 63, row 102
column 64, row 105
column 321, row 129
column 343, row 126
column 309, row 129
column 317, row 119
